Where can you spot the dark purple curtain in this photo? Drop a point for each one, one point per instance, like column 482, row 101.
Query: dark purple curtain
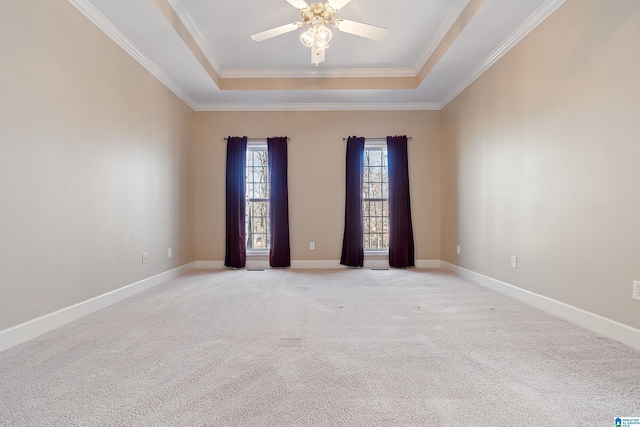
column 280, row 253
column 352, row 242
column 236, row 203
column 401, row 249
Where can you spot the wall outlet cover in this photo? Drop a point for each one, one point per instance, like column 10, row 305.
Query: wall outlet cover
column 636, row 289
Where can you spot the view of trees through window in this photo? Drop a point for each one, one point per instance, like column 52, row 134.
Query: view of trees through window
column 257, row 181
column 375, row 205
column 375, row 199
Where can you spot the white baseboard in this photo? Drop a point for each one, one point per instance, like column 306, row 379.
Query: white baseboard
column 593, row 322
column 317, row 264
column 41, row 325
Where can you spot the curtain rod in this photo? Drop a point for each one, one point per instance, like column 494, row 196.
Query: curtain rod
column 375, row 139
column 254, row 138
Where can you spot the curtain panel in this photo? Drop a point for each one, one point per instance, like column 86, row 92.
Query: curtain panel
column 401, row 247
column 353, row 240
column 280, row 252
column 236, row 204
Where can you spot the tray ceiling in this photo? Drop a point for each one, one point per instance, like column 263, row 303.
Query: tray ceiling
column 202, row 51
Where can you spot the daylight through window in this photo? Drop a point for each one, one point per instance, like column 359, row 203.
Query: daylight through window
column 257, row 181
column 375, row 202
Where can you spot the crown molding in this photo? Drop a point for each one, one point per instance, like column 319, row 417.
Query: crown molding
column 514, row 38
column 315, row 73
column 427, row 106
column 100, row 21
column 451, row 19
column 95, row 16
column 197, row 36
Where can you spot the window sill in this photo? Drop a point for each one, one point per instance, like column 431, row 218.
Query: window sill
column 257, row 252
column 376, row 252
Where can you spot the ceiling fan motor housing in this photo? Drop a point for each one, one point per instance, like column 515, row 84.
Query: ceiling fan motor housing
column 321, row 10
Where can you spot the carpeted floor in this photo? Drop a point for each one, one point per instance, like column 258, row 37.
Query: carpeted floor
column 325, row 348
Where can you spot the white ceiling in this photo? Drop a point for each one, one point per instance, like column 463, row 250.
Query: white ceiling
column 221, row 30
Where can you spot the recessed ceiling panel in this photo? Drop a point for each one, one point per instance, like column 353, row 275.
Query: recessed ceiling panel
column 226, row 27
column 221, row 29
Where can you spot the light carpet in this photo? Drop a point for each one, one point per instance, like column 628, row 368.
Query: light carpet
column 319, row 348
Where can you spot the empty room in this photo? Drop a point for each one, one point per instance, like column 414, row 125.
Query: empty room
column 344, row 213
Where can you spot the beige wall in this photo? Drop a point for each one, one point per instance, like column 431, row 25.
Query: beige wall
column 94, row 164
column 317, row 174
column 538, row 158
column 541, row 159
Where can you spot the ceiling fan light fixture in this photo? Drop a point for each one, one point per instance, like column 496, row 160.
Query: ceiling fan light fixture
column 318, row 36
column 308, row 37
column 323, row 37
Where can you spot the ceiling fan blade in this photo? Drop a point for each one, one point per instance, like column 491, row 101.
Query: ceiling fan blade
column 276, row 31
column 298, row 4
column 359, row 29
column 337, row 4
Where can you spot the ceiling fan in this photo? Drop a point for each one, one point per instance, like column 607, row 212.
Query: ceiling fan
column 318, row 36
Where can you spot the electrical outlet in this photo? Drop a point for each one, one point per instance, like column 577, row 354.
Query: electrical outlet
column 458, row 249
column 144, row 258
column 312, row 245
column 636, row 289
column 514, row 261
column 169, row 253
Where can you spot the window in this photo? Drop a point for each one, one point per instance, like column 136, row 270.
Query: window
column 375, row 198
column 257, row 190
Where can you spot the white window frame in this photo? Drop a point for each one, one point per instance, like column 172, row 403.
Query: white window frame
column 382, row 146
column 259, row 145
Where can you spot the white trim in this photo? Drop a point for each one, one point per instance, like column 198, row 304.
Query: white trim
column 542, row 13
column 195, row 33
column 375, row 143
column 257, row 143
column 97, row 18
column 100, row 21
column 374, row 262
column 451, row 19
column 322, row 73
column 33, row 328
column 417, row 106
column 593, row 322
